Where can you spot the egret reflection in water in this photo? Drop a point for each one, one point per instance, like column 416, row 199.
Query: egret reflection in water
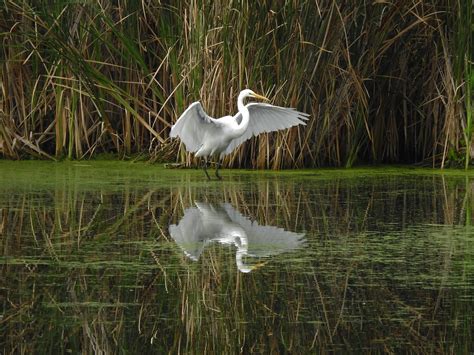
column 207, row 223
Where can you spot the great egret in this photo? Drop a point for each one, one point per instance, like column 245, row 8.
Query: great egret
column 221, row 223
column 210, row 137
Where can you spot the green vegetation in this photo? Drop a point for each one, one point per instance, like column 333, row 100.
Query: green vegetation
column 383, row 81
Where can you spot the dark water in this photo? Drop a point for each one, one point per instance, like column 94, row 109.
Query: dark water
column 132, row 258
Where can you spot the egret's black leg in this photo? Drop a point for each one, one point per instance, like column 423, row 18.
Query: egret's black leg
column 217, row 171
column 205, row 169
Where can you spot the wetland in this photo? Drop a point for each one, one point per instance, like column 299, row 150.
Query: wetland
column 121, row 257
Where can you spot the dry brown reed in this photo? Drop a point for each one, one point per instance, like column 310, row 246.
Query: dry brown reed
column 383, row 81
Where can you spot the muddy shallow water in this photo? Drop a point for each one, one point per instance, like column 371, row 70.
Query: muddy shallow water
column 121, row 257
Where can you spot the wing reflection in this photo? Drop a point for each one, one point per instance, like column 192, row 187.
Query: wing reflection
column 221, row 223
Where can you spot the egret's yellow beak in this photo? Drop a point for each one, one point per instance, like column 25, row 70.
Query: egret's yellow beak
column 260, row 264
column 257, row 96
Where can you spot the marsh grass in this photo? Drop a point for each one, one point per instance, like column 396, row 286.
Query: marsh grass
column 383, row 82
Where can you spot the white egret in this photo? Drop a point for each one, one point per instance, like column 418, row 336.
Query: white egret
column 210, row 137
column 207, row 223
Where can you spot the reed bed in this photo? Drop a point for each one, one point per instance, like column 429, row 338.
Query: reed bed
column 383, row 81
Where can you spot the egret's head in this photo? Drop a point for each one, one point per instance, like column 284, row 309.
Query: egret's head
column 250, row 93
column 248, row 268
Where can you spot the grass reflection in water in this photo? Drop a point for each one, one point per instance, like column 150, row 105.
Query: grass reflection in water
column 382, row 263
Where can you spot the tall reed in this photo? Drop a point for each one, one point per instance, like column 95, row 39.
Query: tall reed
column 383, row 81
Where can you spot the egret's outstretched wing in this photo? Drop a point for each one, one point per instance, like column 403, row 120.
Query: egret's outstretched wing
column 264, row 241
column 193, row 126
column 267, row 118
column 212, row 214
column 199, row 225
column 189, row 233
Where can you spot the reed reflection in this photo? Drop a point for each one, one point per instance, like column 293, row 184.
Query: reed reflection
column 207, row 223
column 386, row 265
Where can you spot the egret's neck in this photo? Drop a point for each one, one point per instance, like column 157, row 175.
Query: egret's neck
column 242, row 248
column 241, row 266
column 240, row 102
column 242, row 127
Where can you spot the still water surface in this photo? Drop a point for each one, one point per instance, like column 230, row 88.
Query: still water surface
column 133, row 258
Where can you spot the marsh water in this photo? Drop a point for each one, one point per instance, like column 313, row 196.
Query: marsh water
column 117, row 257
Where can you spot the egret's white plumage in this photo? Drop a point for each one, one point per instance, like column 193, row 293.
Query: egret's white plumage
column 207, row 223
column 206, row 136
